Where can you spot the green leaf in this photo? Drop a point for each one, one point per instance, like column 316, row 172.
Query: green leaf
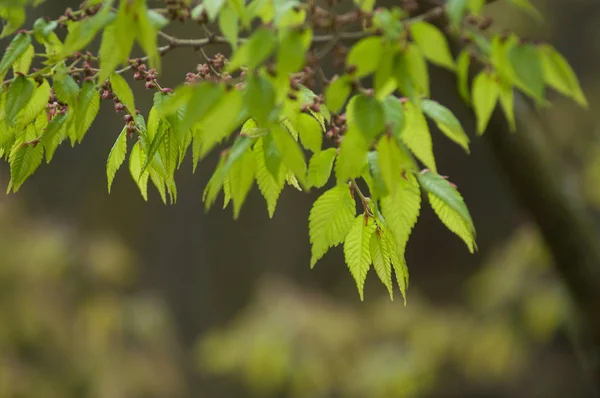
column 291, row 52
column 446, row 122
column 401, row 210
column 380, row 256
column 24, row 160
column 114, row 48
column 384, row 81
column 20, row 92
column 526, row 6
column 357, row 250
column 367, row 114
column 260, row 98
column 507, row 100
column 116, row 156
column 136, row 162
column 254, row 51
column 485, row 96
column 311, row 133
column 456, row 9
column 36, row 105
column 394, row 162
column 14, row 17
column 411, row 73
column 53, row 135
column 17, row 47
column 229, row 26
column 65, row 87
column 123, row 91
column 23, row 63
column 241, row 178
column 272, row 157
column 462, row 74
column 528, row 70
column 416, row 135
column 559, row 75
column 450, row 207
column 398, row 262
column 337, row 92
column 146, row 33
column 269, row 184
column 87, row 108
column 394, row 115
column 81, row 33
column 365, row 56
column 291, row 154
column 352, row 159
column 319, row 167
column 476, row 6
column 330, row 220
column 212, row 8
column 433, row 44
column 203, row 99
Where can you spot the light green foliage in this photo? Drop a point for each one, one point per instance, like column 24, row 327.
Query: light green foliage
column 256, row 101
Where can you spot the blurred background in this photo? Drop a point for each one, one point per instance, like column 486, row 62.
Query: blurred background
column 109, row 296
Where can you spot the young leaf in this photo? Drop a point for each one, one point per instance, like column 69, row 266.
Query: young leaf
column 319, row 167
column 65, row 87
column 394, row 115
column 394, row 162
column 24, row 160
column 229, row 25
column 398, row 262
column 416, row 135
column 365, row 56
column 507, row 101
column 291, row 154
column 330, row 220
column 433, row 44
column 337, row 92
column 291, row 52
column 446, row 122
column 23, row 63
column 485, row 96
column 357, row 250
column 260, row 98
column 146, row 32
column 311, row 133
column 116, row 157
column 212, row 8
column 35, row 106
column 123, row 91
column 384, row 81
column 203, row 98
column 136, row 162
column 450, row 207
column 254, row 51
column 18, row 96
column 270, row 184
column 15, row 49
column 54, row 134
column 241, row 178
column 114, row 48
column 456, row 10
column 87, row 109
column 526, row 6
column 528, row 70
column 367, row 114
column 14, row 17
column 352, row 159
column 380, row 257
column 462, row 74
column 559, row 75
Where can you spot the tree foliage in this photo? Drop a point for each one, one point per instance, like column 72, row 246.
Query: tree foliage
column 281, row 119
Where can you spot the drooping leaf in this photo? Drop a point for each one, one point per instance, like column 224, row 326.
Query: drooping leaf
column 380, row 256
column 462, row 75
column 365, row 56
column 291, row 154
column 87, row 109
column 136, row 162
column 241, row 178
column 291, row 52
column 24, row 160
column 507, row 101
column 337, row 92
column 446, row 122
column 456, row 10
column 528, row 70
column 23, row 63
column 54, row 135
column 450, row 207
column 123, row 91
column 114, row 47
column 319, row 167
column 116, row 157
column 367, row 114
column 394, row 115
column 20, row 92
column 485, row 96
column 270, row 184
column 330, row 220
column 416, row 135
column 229, row 25
column 357, row 250
column 14, row 16
column 36, row 105
column 433, row 44
column 311, row 133
column 352, row 158
column 394, row 162
column 253, row 51
column 260, row 98
column 559, row 75
column 14, row 50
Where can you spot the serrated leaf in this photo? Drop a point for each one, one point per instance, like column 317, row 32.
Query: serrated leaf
column 357, row 250
column 291, row 52
column 528, row 70
column 367, row 114
column 485, row 96
column 202, row 99
column 24, row 160
column 54, row 135
column 394, row 115
column 36, row 105
column 87, row 109
column 123, row 91
column 380, row 257
column 507, row 101
column 23, row 63
column 416, row 135
column 311, row 133
column 330, row 220
column 14, row 50
column 401, row 211
column 384, row 81
column 254, row 51
column 146, row 34
column 20, row 92
column 269, row 184
column 14, row 17
column 114, row 48
column 559, row 75
column 136, row 162
column 228, row 24
column 365, row 56
column 411, row 73
column 241, row 178
column 446, row 122
column 81, row 33
column 319, row 167
column 394, row 162
column 337, row 92
column 116, row 157
column 352, row 158
column 291, row 154
column 260, row 98
column 433, row 44
column 450, row 207
column 462, row 75
column 65, row 87
column 398, row 262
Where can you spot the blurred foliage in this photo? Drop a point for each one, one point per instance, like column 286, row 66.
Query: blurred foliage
column 69, row 326
column 306, row 345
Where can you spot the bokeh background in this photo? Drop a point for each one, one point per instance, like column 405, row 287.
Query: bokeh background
column 110, row 296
